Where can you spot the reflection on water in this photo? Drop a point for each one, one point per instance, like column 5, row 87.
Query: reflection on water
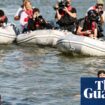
column 42, row 76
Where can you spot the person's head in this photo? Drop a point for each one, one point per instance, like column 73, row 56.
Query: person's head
column 27, row 5
column 68, row 2
column 36, row 12
column 92, row 15
column 26, row 1
column 1, row 13
column 101, row 74
column 100, row 4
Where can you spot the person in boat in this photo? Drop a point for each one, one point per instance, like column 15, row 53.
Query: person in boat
column 3, row 18
column 19, row 11
column 99, row 9
column 38, row 22
column 88, row 25
column 26, row 14
column 101, row 74
column 66, row 15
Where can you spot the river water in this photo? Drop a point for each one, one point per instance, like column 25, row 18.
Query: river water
column 43, row 76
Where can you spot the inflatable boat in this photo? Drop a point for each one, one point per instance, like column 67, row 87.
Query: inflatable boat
column 7, row 34
column 40, row 37
column 81, row 45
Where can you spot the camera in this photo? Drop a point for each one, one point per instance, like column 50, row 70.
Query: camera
column 61, row 5
column 93, row 15
column 101, row 12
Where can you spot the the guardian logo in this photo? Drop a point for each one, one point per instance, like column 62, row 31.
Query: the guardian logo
column 98, row 92
column 92, row 91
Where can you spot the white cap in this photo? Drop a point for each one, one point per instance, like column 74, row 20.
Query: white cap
column 100, row 2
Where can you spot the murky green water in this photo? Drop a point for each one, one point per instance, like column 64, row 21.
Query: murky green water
column 43, row 76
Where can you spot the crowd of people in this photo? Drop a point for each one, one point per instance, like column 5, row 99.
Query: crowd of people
column 30, row 18
column 66, row 17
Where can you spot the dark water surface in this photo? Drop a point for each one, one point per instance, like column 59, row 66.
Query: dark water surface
column 43, row 76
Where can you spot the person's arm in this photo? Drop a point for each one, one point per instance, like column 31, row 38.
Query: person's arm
column 17, row 15
column 80, row 32
column 58, row 15
column 95, row 33
column 71, row 13
column 94, row 29
column 80, row 28
column 103, row 18
column 16, row 18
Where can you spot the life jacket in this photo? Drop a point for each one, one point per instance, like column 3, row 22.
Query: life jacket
column 37, row 24
column 69, row 8
column 29, row 15
column 34, row 24
column 40, row 22
column 92, row 8
column 3, row 19
column 89, row 25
